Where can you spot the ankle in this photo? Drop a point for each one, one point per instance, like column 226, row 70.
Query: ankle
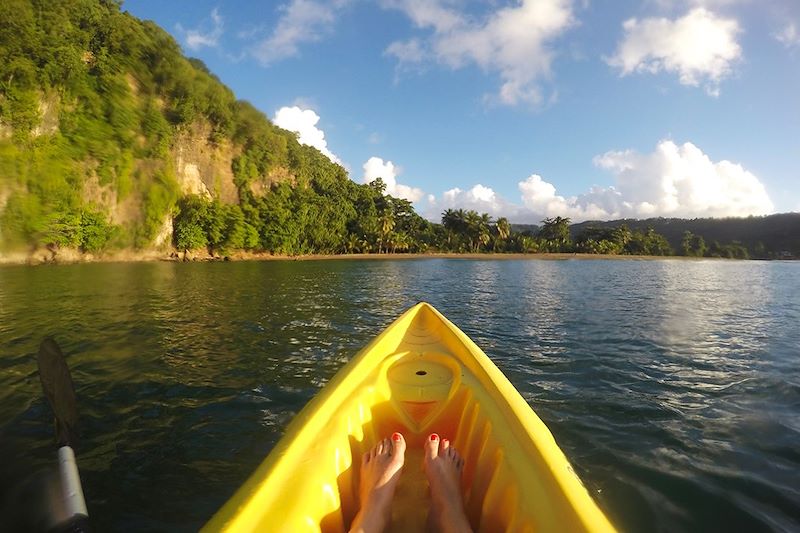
column 374, row 513
column 454, row 520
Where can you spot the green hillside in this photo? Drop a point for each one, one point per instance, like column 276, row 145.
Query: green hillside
column 97, row 106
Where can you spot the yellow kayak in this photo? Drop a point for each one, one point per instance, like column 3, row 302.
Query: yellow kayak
column 421, row 375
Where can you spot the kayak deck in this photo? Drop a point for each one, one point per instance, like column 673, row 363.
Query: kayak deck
column 421, row 375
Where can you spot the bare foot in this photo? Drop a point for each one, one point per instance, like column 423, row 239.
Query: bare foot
column 443, row 466
column 380, row 470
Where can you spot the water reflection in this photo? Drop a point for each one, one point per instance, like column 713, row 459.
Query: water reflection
column 543, row 292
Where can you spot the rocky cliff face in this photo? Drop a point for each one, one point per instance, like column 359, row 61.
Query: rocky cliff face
column 262, row 186
column 49, row 107
column 200, row 167
column 204, row 168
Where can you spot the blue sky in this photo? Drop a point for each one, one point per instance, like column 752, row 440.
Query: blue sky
column 527, row 108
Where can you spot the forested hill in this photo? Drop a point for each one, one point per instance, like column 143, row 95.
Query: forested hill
column 106, row 129
column 764, row 236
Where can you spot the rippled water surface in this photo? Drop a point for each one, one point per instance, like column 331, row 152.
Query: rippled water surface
column 673, row 386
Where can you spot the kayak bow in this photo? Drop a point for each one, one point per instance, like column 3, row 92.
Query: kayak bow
column 422, row 374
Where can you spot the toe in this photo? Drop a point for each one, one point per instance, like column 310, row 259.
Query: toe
column 399, row 444
column 444, row 446
column 399, row 449
column 432, row 446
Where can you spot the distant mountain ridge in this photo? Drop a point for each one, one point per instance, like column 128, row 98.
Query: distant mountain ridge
column 763, row 236
column 776, row 233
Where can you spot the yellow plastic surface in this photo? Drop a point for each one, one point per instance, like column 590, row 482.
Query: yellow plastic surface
column 422, row 374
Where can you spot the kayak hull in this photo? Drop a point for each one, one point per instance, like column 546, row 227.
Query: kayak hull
column 421, row 375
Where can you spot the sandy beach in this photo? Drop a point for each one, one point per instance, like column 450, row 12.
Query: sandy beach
column 68, row 256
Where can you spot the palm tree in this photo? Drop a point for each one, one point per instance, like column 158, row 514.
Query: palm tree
column 449, row 222
column 364, row 246
column 401, row 242
column 484, row 236
column 503, row 228
column 622, row 235
column 528, row 244
column 455, row 222
column 503, row 232
column 472, row 221
column 387, row 225
column 352, row 243
column 484, row 229
column 555, row 233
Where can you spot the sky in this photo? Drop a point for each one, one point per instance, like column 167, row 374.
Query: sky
column 587, row 109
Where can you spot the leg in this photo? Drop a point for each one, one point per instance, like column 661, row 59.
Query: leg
column 380, row 470
column 443, row 466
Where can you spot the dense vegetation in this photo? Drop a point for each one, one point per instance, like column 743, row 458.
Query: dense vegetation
column 93, row 102
column 332, row 214
column 90, row 93
column 766, row 237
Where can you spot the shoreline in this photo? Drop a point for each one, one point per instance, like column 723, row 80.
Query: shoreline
column 70, row 257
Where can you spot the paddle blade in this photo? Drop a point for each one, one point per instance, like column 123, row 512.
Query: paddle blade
column 59, row 391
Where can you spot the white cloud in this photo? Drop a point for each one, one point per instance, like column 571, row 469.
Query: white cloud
column 304, row 123
column 515, row 42
column 301, row 21
column 196, row 38
column 667, row 4
column 428, row 13
column 682, row 181
column 672, row 181
column 407, row 52
column 789, row 36
column 700, row 47
column 480, row 198
column 540, row 199
column 375, row 167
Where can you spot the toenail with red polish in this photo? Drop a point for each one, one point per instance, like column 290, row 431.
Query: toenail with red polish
column 434, row 436
column 396, row 436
